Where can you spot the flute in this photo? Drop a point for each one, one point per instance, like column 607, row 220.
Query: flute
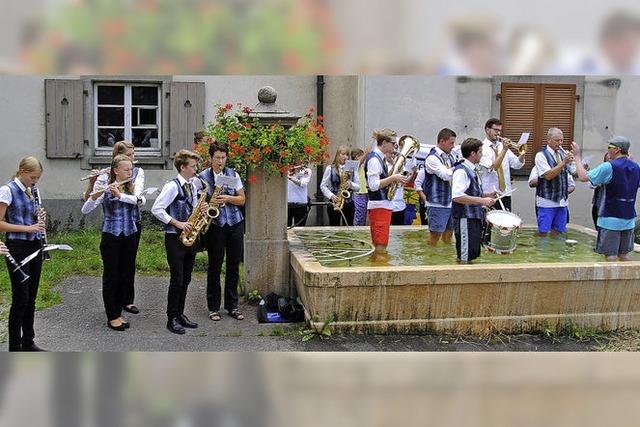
column 117, row 183
column 100, row 172
column 23, row 277
column 40, row 216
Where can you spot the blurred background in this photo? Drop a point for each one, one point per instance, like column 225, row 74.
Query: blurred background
column 320, row 37
column 169, row 37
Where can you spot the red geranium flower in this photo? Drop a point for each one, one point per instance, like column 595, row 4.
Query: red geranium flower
column 233, row 136
column 246, row 110
column 228, row 107
column 266, row 150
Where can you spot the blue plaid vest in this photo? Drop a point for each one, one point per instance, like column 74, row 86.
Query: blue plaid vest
column 459, row 210
column 229, row 214
column 620, row 193
column 119, row 217
column 21, row 211
column 379, row 194
column 435, row 188
column 555, row 189
column 180, row 209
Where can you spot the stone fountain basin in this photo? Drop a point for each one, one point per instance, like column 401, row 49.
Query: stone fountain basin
column 467, row 299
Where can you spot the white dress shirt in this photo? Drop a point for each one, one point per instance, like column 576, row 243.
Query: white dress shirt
column 138, row 184
column 435, row 167
column 325, row 185
column 460, row 181
column 374, row 169
column 168, row 195
column 91, row 204
column 299, row 193
column 542, row 165
column 5, row 192
column 489, row 176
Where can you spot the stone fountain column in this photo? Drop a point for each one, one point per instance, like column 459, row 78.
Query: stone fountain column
column 266, row 249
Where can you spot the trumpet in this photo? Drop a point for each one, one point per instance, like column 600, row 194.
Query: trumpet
column 520, row 149
column 102, row 189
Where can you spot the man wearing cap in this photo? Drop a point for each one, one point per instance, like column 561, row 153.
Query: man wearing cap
column 620, row 178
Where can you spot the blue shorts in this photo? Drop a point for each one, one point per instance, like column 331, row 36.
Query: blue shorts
column 439, row 219
column 552, row 218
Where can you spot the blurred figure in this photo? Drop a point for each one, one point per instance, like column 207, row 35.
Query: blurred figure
column 530, row 52
column 475, row 48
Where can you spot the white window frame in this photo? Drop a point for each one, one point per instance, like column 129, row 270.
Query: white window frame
column 140, row 151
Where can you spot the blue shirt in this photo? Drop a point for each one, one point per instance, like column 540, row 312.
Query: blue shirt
column 602, row 175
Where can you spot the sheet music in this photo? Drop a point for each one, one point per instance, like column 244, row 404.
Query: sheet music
column 226, row 181
column 149, row 190
column 523, row 138
column 351, row 165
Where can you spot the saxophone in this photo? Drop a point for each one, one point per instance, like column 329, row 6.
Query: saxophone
column 410, row 147
column 199, row 220
column 343, row 191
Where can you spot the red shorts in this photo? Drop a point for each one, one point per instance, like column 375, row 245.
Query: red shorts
column 379, row 223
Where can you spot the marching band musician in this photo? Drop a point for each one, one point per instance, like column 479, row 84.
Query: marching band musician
column 23, row 226
column 173, row 207
column 554, row 180
column 397, row 203
column 100, row 180
column 118, row 244
column 497, row 161
column 360, row 196
column 438, row 172
column 225, row 235
column 330, row 187
column 297, row 195
column 378, row 206
column 468, row 201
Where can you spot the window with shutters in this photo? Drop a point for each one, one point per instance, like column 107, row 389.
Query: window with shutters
column 534, row 108
column 130, row 112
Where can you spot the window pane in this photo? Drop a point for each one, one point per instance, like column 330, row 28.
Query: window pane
column 108, row 137
column 111, row 95
column 110, row 116
column 146, row 116
column 144, row 95
column 145, row 138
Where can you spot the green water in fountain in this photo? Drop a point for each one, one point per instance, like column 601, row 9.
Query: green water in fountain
column 409, row 248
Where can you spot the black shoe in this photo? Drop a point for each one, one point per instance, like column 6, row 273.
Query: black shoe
column 184, row 321
column 119, row 328
column 127, row 325
column 133, row 309
column 32, row 347
column 174, row 326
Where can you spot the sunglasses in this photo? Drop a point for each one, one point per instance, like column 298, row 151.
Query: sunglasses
column 612, row 147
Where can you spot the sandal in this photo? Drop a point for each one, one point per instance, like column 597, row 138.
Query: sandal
column 236, row 314
column 214, row 315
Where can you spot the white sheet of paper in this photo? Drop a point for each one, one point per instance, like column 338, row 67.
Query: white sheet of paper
column 226, row 181
column 149, row 190
column 351, row 165
column 523, row 138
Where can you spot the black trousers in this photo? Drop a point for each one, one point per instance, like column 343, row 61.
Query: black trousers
column 296, row 214
column 220, row 241
column 468, row 232
column 348, row 210
column 180, row 259
column 118, row 258
column 423, row 213
column 23, row 295
column 397, row 218
column 129, row 289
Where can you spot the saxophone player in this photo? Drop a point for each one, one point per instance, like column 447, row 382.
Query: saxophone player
column 378, row 206
column 173, row 207
column 18, row 219
column 334, row 182
column 118, row 243
column 225, row 235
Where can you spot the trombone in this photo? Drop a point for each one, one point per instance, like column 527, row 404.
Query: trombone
column 520, row 149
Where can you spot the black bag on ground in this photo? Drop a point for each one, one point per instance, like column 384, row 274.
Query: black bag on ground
column 274, row 308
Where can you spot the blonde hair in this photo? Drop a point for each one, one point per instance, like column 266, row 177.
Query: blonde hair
column 121, row 146
column 182, row 158
column 115, row 162
column 28, row 164
column 383, row 135
column 342, row 148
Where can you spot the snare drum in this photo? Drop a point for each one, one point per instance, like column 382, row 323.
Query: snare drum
column 503, row 231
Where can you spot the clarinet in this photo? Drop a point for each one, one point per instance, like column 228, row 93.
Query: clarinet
column 22, row 276
column 39, row 214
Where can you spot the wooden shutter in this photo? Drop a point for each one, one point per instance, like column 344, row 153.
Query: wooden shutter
column 186, row 114
column 64, row 118
column 534, row 108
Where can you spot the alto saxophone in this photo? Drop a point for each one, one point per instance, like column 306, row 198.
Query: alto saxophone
column 411, row 146
column 201, row 217
column 343, row 191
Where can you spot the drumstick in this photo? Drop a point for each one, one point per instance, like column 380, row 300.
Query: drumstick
column 505, row 194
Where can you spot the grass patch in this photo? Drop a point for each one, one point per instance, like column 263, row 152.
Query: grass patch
column 85, row 260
